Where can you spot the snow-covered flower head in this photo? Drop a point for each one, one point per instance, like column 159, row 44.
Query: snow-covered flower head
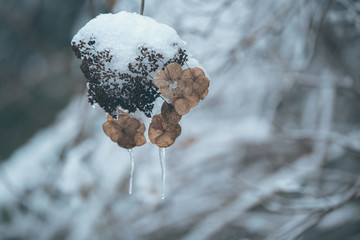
column 126, row 131
column 130, row 61
column 120, row 53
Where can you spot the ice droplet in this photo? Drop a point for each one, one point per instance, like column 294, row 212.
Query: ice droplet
column 132, row 162
column 163, row 171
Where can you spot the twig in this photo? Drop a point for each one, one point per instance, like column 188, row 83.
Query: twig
column 142, row 7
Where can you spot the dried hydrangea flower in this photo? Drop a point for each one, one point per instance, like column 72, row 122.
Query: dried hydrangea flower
column 184, row 88
column 164, row 127
column 161, row 133
column 199, row 82
column 126, row 131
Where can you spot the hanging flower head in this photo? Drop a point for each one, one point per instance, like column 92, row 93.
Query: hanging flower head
column 126, row 131
column 164, row 127
column 128, row 70
column 184, row 88
column 130, row 61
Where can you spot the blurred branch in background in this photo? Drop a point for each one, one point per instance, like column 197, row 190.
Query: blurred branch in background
column 37, row 74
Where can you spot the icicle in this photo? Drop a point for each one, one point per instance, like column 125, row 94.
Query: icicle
column 163, row 171
column 132, row 162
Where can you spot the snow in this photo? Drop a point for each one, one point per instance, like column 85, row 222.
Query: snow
column 123, row 33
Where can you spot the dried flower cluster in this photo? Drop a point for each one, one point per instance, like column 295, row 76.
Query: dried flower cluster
column 164, row 127
column 147, row 78
column 126, row 131
column 132, row 90
column 184, row 88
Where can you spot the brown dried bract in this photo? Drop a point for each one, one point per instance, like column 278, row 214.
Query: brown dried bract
column 126, row 131
column 169, row 114
column 163, row 133
column 184, row 88
column 169, row 81
column 197, row 85
column 196, row 77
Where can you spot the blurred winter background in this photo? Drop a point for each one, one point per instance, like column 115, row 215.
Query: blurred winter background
column 272, row 153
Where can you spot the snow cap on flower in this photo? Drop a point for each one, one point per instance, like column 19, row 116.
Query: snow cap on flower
column 131, row 60
column 120, row 53
column 126, row 131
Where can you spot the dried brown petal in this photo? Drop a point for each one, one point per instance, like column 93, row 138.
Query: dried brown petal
column 195, row 89
column 126, row 142
column 181, row 106
column 127, row 132
column 169, row 93
column 111, row 129
column 140, row 139
column 169, row 113
column 161, row 133
column 191, row 74
column 160, row 79
column 191, row 97
column 201, row 84
column 197, row 72
column 171, row 74
column 168, row 138
column 154, row 133
column 187, row 77
column 156, row 128
column 131, row 126
column 169, row 81
column 173, row 71
column 141, row 129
